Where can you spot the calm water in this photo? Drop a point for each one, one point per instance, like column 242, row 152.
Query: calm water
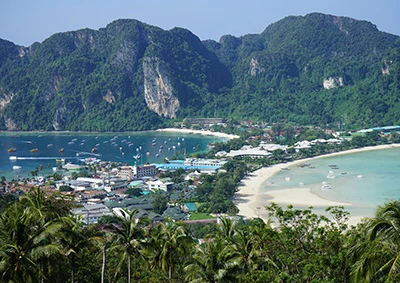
column 130, row 148
column 364, row 179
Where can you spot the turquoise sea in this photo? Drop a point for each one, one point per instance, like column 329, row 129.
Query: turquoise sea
column 363, row 179
column 128, row 148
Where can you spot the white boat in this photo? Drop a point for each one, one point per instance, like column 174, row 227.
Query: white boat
column 360, row 176
column 16, row 167
column 325, row 187
column 287, row 178
column 13, row 158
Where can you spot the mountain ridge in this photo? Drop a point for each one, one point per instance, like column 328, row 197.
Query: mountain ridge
column 133, row 76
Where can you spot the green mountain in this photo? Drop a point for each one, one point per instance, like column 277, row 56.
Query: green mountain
column 317, row 69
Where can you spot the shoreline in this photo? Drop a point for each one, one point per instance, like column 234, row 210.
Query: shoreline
column 250, row 200
column 199, row 132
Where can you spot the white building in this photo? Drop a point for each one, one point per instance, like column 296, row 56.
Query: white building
column 91, row 213
column 137, row 172
column 203, row 162
column 160, row 185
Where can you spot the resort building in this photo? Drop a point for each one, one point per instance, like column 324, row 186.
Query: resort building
column 137, row 172
column 91, row 213
column 115, row 185
column 195, row 162
column 160, row 185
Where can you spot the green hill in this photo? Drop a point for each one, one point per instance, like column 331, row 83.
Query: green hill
column 317, row 69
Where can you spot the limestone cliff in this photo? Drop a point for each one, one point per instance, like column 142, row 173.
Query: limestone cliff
column 158, row 89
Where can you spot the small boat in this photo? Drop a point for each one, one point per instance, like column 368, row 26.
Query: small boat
column 287, row 178
column 13, row 149
column 13, row 158
column 360, row 176
column 34, row 150
column 61, row 150
column 60, row 160
column 16, row 167
column 94, row 150
column 325, row 187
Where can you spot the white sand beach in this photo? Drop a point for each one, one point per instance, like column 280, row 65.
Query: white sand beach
column 199, row 132
column 251, row 201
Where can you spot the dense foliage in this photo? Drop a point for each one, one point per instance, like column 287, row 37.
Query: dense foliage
column 94, row 80
column 40, row 242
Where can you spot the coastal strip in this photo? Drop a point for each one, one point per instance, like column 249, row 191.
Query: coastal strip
column 251, row 201
column 199, row 132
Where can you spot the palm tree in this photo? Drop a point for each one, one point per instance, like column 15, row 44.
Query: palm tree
column 213, row 261
column 168, row 245
column 127, row 235
column 26, row 244
column 378, row 256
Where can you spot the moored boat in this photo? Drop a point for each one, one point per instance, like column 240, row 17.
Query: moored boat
column 12, row 149
column 34, row 150
column 16, row 167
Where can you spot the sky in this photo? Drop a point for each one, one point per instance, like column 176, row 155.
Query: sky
column 27, row 21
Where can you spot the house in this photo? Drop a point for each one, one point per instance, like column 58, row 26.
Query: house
column 175, row 213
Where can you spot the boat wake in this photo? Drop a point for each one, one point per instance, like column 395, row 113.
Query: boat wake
column 88, row 153
column 38, row 158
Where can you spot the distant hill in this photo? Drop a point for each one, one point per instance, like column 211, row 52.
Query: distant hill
column 317, row 69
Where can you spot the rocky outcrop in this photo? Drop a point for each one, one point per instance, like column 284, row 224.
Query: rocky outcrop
column 11, row 125
column 158, row 89
column 53, row 88
column 255, row 67
column 59, row 118
column 109, row 97
column 333, row 82
column 385, row 68
column 5, row 99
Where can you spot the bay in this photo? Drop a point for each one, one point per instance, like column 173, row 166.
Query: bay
column 128, row 148
column 363, row 179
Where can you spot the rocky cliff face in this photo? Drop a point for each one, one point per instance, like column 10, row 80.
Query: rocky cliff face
column 158, row 89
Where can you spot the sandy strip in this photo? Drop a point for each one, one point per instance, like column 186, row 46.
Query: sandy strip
column 251, row 201
column 297, row 196
column 200, row 132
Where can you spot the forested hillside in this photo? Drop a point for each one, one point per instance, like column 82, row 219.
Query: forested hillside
column 317, row 69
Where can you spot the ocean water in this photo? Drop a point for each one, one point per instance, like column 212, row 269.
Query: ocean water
column 130, row 148
column 363, row 179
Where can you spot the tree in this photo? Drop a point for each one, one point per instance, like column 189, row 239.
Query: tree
column 134, row 192
column 160, row 203
column 376, row 258
column 127, row 236
column 28, row 230
column 214, row 261
column 168, row 245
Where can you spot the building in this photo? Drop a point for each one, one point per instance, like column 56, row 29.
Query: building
column 198, row 162
column 115, row 185
column 160, row 185
column 137, row 172
column 91, row 213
